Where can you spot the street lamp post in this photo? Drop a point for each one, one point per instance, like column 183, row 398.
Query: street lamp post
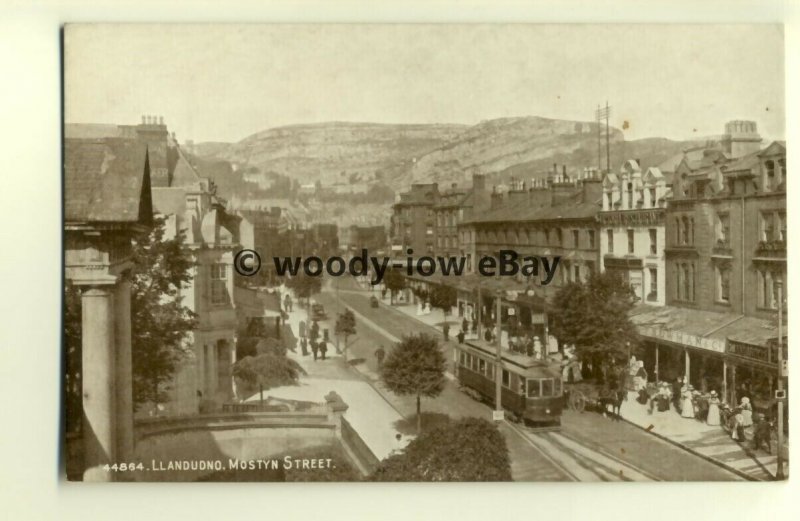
column 779, row 472
column 498, row 388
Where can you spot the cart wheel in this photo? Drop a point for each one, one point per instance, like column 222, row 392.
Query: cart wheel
column 577, row 401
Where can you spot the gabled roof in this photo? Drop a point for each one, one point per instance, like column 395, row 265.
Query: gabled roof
column 106, row 181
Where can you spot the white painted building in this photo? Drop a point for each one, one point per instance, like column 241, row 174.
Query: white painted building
column 632, row 229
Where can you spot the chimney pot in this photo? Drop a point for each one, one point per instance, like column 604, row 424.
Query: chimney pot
column 564, row 171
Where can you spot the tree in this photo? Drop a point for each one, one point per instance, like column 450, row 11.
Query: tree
column 415, row 366
column 444, row 298
column 593, row 316
column 160, row 324
column 304, row 286
column 346, row 326
column 395, row 282
column 470, row 449
column 266, row 371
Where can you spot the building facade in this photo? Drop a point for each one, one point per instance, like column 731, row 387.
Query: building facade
column 632, row 229
column 414, row 220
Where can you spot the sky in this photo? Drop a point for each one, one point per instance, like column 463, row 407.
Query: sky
column 226, row 82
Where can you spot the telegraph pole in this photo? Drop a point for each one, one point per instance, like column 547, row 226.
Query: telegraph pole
column 781, row 396
column 599, row 115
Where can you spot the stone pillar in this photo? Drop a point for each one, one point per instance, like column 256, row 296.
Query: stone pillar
column 124, row 371
column 99, row 383
column 336, row 408
column 688, row 371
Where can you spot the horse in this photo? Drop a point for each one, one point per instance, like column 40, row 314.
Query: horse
column 614, row 398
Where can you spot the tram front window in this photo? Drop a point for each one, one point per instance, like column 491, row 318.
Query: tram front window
column 533, row 389
column 547, row 387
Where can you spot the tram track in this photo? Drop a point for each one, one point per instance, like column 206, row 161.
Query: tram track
column 579, row 461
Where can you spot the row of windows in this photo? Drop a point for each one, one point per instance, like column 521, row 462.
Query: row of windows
column 767, row 289
column 535, row 388
column 540, row 237
column 652, row 233
column 572, row 272
column 632, row 199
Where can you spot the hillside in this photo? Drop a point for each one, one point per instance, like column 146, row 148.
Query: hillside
column 330, row 152
column 398, row 155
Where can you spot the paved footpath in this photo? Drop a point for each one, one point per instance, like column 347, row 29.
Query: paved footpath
column 707, row 441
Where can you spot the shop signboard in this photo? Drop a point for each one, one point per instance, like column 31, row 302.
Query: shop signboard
column 682, row 338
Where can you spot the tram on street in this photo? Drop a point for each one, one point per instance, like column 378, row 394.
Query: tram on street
column 531, row 390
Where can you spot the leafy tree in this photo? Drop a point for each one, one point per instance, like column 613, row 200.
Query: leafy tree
column 444, row 298
column 346, row 327
column 415, row 367
column 395, row 282
column 304, row 286
column 160, row 324
column 266, row 371
column 470, row 449
column 593, row 316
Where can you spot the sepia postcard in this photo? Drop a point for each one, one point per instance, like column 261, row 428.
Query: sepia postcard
column 371, row 252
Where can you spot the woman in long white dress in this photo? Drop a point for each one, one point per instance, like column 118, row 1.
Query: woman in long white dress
column 713, row 409
column 747, row 412
column 687, row 407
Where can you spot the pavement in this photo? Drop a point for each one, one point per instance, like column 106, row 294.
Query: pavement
column 368, row 412
column 711, row 442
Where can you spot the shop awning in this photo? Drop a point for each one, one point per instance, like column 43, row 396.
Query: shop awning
column 682, row 326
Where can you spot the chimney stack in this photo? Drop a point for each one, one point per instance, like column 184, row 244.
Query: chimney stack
column 564, row 172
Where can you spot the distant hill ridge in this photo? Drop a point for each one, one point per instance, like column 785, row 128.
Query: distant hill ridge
column 399, row 154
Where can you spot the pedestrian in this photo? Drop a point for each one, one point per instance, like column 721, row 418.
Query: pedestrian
column 304, row 346
column 762, row 433
column 287, row 303
column 677, row 387
column 315, row 350
column 465, row 326
column 687, row 407
column 380, row 354
column 737, row 429
column 713, row 409
column 461, row 336
column 446, row 331
column 747, row 412
column 323, row 348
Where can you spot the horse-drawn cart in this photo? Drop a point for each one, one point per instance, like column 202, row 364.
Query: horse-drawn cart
column 592, row 395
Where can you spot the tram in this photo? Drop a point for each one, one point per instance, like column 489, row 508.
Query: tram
column 531, row 390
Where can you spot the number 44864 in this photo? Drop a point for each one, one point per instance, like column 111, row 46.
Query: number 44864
column 123, row 467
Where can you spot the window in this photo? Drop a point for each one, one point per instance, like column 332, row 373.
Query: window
column 575, row 238
column 547, row 387
column 767, row 226
column 608, row 201
column 557, row 387
column 653, row 294
column 589, row 267
column 723, row 284
column 610, row 237
column 686, row 277
column 463, row 359
column 685, row 232
column 679, row 282
column 678, row 238
column 559, row 238
column 653, row 201
column 533, row 389
column 482, row 366
column 630, row 241
column 781, row 217
column 577, row 273
column 565, row 273
column 723, row 229
column 769, row 180
column 653, row 241
column 506, row 378
column 590, row 234
column 630, row 195
column 219, row 284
